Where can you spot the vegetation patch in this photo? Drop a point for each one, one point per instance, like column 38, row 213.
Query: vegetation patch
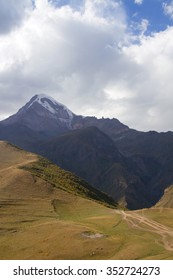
column 67, row 181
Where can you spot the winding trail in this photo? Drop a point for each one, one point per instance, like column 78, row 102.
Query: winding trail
column 143, row 223
column 17, row 165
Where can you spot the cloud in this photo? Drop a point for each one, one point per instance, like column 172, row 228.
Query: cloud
column 138, row 2
column 139, row 28
column 62, row 50
column 12, row 13
column 168, row 9
column 86, row 57
column 144, row 26
column 152, row 73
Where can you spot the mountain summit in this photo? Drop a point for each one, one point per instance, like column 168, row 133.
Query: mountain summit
column 56, row 109
column 49, row 118
column 42, row 113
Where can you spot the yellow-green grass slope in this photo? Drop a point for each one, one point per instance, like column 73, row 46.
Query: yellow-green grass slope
column 46, row 214
column 167, row 199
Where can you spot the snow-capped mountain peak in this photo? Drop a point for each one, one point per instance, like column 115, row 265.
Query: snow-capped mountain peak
column 43, row 113
column 51, row 105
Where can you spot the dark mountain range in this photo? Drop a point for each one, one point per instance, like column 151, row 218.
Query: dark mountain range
column 112, row 127
column 93, row 155
column 89, row 153
column 131, row 166
column 43, row 118
column 153, row 154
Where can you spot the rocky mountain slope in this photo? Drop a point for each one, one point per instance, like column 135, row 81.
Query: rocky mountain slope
column 92, row 155
column 131, row 166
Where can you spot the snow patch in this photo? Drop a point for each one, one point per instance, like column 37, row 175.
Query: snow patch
column 39, row 98
column 47, row 106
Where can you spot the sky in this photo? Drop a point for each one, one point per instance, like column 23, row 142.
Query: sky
column 103, row 58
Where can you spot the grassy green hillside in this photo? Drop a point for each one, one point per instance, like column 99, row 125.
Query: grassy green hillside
column 67, row 181
column 47, row 213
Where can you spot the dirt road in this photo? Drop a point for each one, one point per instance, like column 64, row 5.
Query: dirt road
column 143, row 223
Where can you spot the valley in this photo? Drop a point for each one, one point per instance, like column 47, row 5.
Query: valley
column 41, row 220
column 30, row 229
column 75, row 187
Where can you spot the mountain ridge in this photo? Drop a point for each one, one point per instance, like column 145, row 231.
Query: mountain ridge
column 15, row 158
column 131, row 166
column 43, row 113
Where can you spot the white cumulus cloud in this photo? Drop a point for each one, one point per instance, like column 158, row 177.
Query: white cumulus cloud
column 168, row 9
column 12, row 13
column 87, row 58
column 138, row 2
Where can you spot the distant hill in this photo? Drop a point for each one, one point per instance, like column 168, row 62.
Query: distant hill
column 24, row 174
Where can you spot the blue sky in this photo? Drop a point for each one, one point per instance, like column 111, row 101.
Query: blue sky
column 108, row 58
column 152, row 10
